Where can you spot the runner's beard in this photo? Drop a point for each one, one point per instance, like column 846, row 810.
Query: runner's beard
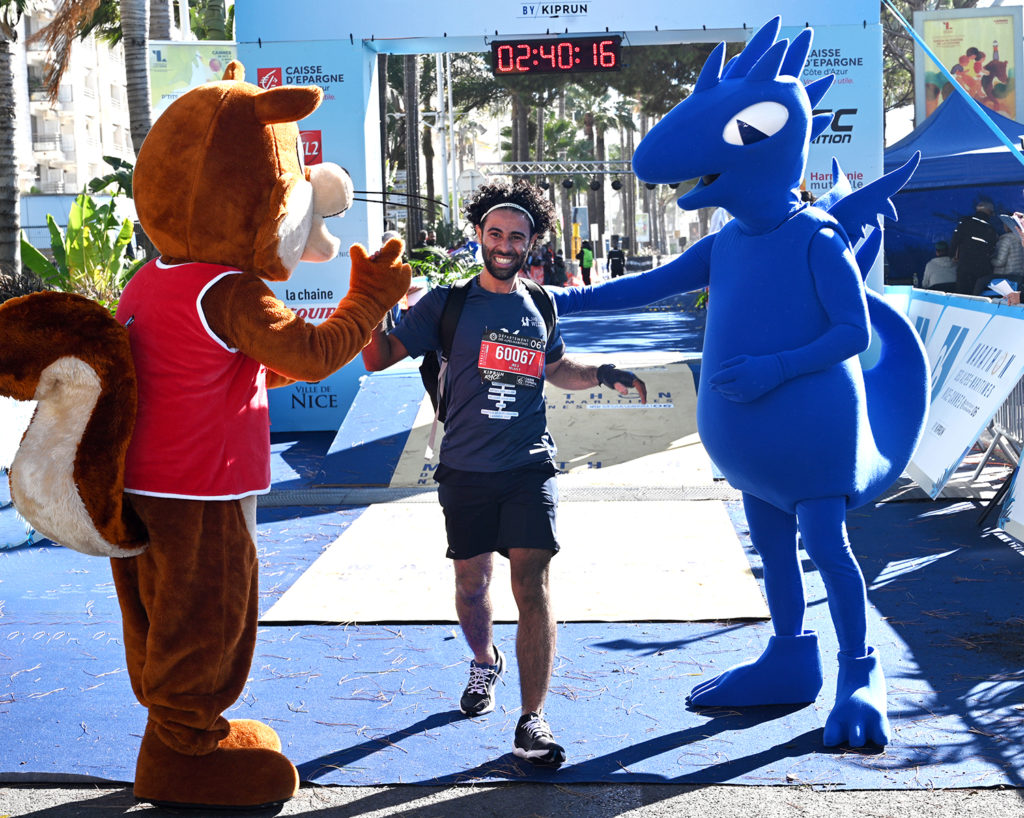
column 503, row 273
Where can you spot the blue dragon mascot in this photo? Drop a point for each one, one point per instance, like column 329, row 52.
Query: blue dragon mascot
column 784, row 408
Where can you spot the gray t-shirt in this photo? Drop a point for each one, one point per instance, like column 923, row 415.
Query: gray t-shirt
column 496, row 411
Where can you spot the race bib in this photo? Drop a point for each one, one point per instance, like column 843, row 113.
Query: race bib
column 511, row 359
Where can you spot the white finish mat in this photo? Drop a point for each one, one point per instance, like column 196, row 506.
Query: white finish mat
column 620, row 562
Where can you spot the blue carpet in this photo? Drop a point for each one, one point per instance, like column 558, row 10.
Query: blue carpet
column 378, row 705
column 374, row 705
column 672, row 325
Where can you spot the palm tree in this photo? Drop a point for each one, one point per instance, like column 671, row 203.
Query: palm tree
column 160, row 19
column 210, row 20
column 135, row 28
column 625, row 120
column 10, row 206
column 596, row 113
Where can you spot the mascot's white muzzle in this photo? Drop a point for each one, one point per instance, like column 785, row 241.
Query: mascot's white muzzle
column 332, row 196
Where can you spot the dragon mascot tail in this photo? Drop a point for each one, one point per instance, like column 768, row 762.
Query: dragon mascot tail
column 896, row 386
column 896, row 401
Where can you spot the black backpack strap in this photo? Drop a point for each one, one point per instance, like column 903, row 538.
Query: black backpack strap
column 545, row 304
column 450, row 315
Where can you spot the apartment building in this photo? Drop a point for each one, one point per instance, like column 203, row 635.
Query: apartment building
column 61, row 146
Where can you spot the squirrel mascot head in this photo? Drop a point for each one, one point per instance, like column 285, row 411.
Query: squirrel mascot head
column 220, row 179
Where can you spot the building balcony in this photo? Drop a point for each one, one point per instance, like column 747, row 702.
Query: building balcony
column 51, row 187
column 46, row 144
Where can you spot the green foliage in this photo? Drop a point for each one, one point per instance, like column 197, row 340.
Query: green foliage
column 120, row 178
column 448, row 234
column 91, row 256
column 10, row 13
column 439, row 268
column 209, row 20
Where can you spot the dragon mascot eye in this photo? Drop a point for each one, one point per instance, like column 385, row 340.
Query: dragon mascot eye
column 755, row 123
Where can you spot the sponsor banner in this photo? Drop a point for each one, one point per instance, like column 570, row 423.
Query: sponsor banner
column 982, row 50
column 338, row 131
column 176, row 67
column 924, row 310
column 642, row 226
column 851, row 54
column 642, row 20
column 976, row 353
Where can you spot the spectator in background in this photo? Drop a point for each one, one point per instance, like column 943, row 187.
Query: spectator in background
column 940, row 272
column 558, row 276
column 974, row 242
column 617, row 260
column 535, row 265
column 1008, row 258
column 586, row 259
column 548, row 262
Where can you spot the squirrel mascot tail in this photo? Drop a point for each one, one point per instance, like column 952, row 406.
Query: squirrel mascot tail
column 69, row 355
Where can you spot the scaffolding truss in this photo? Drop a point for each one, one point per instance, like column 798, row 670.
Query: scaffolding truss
column 607, row 167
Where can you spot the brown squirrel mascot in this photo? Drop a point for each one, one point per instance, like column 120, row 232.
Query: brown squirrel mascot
column 150, row 440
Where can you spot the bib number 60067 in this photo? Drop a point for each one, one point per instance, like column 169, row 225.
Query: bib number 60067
column 515, row 355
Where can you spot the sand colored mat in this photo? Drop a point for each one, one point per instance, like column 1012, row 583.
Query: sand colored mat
column 666, row 561
column 604, row 438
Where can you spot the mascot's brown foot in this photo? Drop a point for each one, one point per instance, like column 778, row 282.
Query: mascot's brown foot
column 251, row 733
column 227, row 778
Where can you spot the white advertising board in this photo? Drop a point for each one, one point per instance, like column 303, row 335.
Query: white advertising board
column 976, row 352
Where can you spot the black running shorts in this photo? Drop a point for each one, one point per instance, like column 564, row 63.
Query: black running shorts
column 496, row 511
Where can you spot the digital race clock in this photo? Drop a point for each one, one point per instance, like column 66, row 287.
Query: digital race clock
column 555, row 55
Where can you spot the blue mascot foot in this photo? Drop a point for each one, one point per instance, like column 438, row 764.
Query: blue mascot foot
column 788, row 672
column 859, row 714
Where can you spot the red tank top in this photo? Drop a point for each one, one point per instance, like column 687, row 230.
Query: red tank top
column 203, row 429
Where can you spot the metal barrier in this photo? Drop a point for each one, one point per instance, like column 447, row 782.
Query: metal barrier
column 1006, row 429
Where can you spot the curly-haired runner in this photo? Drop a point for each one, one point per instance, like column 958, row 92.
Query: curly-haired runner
column 518, row 194
column 496, row 478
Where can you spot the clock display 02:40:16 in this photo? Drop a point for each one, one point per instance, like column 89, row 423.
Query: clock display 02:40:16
column 561, row 56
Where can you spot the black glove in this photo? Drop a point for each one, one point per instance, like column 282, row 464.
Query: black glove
column 608, row 375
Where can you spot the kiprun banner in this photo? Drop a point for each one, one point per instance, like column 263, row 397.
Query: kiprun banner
column 336, row 132
column 179, row 66
column 976, row 353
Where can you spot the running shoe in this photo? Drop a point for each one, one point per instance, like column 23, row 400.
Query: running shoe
column 478, row 697
column 535, row 743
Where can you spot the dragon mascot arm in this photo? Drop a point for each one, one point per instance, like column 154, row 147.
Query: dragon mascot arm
column 837, row 281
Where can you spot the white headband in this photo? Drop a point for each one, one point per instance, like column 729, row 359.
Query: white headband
column 512, row 205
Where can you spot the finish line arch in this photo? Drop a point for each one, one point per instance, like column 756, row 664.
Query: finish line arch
column 335, row 46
